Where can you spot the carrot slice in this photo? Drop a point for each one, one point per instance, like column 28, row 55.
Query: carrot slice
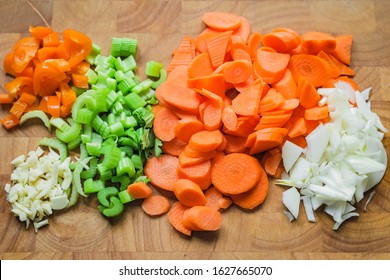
column 265, row 139
column 139, row 190
column 235, row 173
column 212, row 115
column 164, row 124
column 270, row 65
column 342, row 51
column 181, row 97
column 173, row 147
column 217, row 48
column 162, row 171
column 308, row 95
column 282, row 40
column 245, row 126
column 186, row 127
column 255, row 196
column 314, row 41
column 298, row 128
column 235, row 144
column 198, row 173
column 221, row 21
column 229, row 118
column 202, row 218
column 272, row 163
column 254, row 42
column 175, row 217
column 189, row 193
column 213, row 195
column 247, row 103
column 272, row 100
column 287, row 85
column 186, row 160
column 183, row 55
column 237, row 71
column 156, row 205
column 214, row 83
column 200, row 66
column 206, row 141
column 310, row 67
column 316, row 113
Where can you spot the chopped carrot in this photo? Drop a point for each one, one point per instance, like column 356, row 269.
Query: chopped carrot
column 272, row 163
column 213, row 195
column 298, row 128
column 200, row 66
column 342, row 51
column 243, row 30
column 310, row 67
column 139, row 190
column 247, row 103
column 198, row 173
column 254, row 42
column 270, row 65
column 206, row 141
column 229, row 118
column 237, row 71
column 245, row 126
column 316, row 113
column 235, row 173
column 265, row 139
column 173, row 147
column 182, row 56
column 221, row 21
column 255, row 196
column 186, row 160
column 156, row 205
column 189, row 193
column 186, row 127
column 175, row 217
column 202, row 218
column 164, row 124
column 224, row 202
column 214, row 83
column 314, row 41
column 287, row 85
column 343, row 69
column 217, row 47
column 162, row 171
column 211, row 96
column 235, row 144
column 308, row 95
column 212, row 115
column 181, row 97
column 271, row 101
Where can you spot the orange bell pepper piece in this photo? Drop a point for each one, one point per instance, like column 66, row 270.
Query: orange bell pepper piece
column 78, row 44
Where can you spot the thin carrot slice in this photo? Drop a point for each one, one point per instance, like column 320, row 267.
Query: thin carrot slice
column 240, row 54
column 206, row 141
column 202, row 38
column 255, row 196
column 162, row 171
column 189, row 193
column 200, row 66
column 290, row 104
column 308, row 95
column 344, row 69
column 298, row 128
column 314, row 41
column 224, row 202
column 235, row 144
column 185, row 160
column 229, row 118
column 214, row 83
column 287, row 85
column 265, row 139
column 182, row 56
column 342, row 51
column 235, row 173
column 198, row 173
column 181, row 97
column 175, row 217
column 164, row 124
column 272, row 100
column 272, row 163
column 217, row 48
column 156, row 205
column 221, row 21
column 237, row 71
column 212, row 115
column 247, row 103
column 186, row 127
column 310, row 67
column 270, row 65
column 282, row 40
column 243, row 30
column 202, row 218
column 316, row 113
column 139, row 190
column 173, row 147
column 213, row 195
column 211, row 96
column 245, row 126
column 254, row 42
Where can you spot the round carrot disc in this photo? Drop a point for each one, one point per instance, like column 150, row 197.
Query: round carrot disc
column 162, row 171
column 235, row 173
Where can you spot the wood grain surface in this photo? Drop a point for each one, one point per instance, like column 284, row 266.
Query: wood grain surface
column 82, row 233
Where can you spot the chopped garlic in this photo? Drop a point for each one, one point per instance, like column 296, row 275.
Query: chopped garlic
column 38, row 185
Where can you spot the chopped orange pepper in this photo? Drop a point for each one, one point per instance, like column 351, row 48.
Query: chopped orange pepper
column 53, row 105
column 18, row 109
column 79, row 45
column 24, row 51
column 40, row 32
column 19, row 85
column 10, row 121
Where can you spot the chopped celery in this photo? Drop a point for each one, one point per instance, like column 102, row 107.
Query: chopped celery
column 74, row 143
column 70, row 134
column 162, row 78
column 59, row 123
column 125, row 165
column 92, row 76
column 104, row 194
column 125, row 197
column 134, row 101
column 55, row 144
column 152, row 69
column 36, row 114
column 91, row 172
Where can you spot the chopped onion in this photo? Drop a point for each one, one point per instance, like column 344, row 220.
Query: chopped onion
column 344, row 158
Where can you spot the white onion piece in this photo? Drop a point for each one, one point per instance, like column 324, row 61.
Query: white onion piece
column 291, row 199
column 290, row 154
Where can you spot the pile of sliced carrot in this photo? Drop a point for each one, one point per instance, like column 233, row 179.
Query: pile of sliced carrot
column 230, row 94
column 45, row 66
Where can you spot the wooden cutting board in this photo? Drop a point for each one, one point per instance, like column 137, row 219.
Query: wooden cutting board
column 82, row 233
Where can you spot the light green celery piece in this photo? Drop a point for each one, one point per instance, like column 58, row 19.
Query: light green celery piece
column 36, row 114
column 96, row 50
column 86, row 136
column 74, row 143
column 92, row 76
column 119, row 76
column 134, row 101
column 142, row 86
column 91, row 172
column 137, row 162
column 55, row 144
column 104, row 172
column 152, row 69
column 128, row 64
column 162, row 78
column 117, row 129
column 128, row 47
column 115, row 49
column 126, row 85
column 112, row 158
column 125, row 197
column 87, row 98
column 69, row 134
column 85, row 116
column 125, row 165
column 112, row 96
column 59, row 123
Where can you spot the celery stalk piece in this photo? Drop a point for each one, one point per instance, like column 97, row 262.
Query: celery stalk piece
column 69, row 134
column 162, row 78
column 36, row 114
column 152, row 69
column 116, row 47
column 134, row 101
column 55, row 144
column 59, row 123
